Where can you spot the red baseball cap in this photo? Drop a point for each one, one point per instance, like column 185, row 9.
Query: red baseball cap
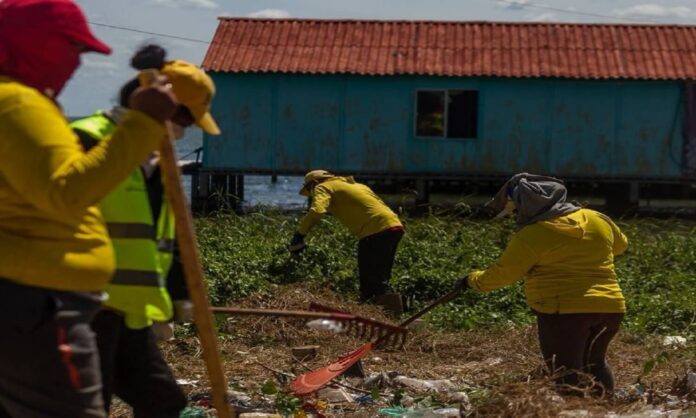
column 58, row 16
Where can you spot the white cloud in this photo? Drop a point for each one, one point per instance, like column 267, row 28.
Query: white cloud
column 544, row 17
column 201, row 4
column 656, row 10
column 513, row 4
column 271, row 14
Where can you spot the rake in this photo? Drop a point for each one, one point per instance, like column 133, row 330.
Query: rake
column 363, row 328
column 310, row 382
column 353, row 324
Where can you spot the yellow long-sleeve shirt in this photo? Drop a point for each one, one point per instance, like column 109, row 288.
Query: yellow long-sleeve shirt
column 355, row 205
column 567, row 263
column 51, row 234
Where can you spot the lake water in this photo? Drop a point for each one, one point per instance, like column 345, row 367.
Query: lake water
column 258, row 190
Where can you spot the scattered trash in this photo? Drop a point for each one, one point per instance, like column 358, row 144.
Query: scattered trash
column 335, row 395
column 460, row 397
column 442, row 385
column 306, row 352
column 691, row 381
column 364, row 399
column 326, row 325
column 574, row 413
column 194, row 412
column 483, row 365
column 402, row 412
column 674, row 341
column 447, row 412
column 379, row 380
column 376, row 359
column 259, row 415
column 187, row 382
column 238, row 396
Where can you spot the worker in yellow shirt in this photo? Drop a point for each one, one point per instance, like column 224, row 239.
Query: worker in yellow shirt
column 565, row 254
column 55, row 253
column 368, row 218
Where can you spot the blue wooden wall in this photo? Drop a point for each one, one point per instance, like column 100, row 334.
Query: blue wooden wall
column 292, row 123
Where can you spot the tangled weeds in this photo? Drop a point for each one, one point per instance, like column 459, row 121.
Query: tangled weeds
column 490, row 372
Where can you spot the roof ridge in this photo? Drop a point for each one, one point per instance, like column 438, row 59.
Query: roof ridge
column 452, row 22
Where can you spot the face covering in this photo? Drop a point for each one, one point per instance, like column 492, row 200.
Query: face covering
column 47, row 69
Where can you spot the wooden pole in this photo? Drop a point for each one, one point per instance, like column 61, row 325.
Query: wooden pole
column 193, row 271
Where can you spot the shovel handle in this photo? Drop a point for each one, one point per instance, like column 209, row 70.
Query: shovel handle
column 192, row 267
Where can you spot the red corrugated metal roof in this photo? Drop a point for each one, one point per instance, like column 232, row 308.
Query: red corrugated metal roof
column 594, row 51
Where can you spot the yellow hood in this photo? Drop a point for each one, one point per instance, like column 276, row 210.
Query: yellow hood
column 573, row 225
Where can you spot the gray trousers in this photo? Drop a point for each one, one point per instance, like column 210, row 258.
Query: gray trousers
column 49, row 366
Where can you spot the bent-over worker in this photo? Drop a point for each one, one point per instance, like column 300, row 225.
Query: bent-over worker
column 566, row 255
column 367, row 217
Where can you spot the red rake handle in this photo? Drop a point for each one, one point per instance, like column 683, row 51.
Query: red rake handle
column 277, row 312
column 439, row 301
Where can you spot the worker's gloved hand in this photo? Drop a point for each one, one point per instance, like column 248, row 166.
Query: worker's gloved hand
column 297, row 243
column 156, row 100
column 183, row 311
column 462, row 284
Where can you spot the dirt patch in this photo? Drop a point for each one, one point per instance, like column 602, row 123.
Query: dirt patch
column 499, row 370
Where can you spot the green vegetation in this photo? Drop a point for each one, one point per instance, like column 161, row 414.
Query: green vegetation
column 246, row 254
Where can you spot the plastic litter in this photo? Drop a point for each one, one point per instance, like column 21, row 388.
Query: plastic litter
column 426, row 385
column 419, row 413
column 364, row 399
column 326, row 325
column 691, row 381
column 194, row 412
column 674, row 341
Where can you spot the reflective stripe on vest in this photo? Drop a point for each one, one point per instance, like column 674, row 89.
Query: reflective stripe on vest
column 137, row 288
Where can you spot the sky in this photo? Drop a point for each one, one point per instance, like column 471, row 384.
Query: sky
column 95, row 84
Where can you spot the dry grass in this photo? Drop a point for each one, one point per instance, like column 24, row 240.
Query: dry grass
column 500, row 369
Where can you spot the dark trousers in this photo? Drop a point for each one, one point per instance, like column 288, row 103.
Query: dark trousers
column 578, row 342
column 48, row 355
column 134, row 370
column 375, row 261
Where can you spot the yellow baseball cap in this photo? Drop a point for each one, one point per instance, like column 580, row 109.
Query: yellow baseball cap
column 195, row 90
column 312, row 176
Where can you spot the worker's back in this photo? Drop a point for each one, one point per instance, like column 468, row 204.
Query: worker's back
column 574, row 271
column 356, row 206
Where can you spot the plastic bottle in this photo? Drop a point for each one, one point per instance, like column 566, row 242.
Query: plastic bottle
column 326, row 325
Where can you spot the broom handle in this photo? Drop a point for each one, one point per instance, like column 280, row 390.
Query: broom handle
column 278, row 312
column 190, row 259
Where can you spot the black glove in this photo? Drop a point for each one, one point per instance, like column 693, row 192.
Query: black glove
column 297, row 243
column 462, row 284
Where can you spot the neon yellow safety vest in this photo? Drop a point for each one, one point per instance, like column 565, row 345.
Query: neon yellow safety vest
column 143, row 250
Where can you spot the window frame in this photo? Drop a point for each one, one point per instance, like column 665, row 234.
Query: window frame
column 446, row 113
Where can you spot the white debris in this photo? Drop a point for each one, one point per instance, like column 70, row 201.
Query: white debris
column 259, row 415
column 187, row 382
column 426, row 385
column 238, row 396
column 460, row 397
column 574, row 413
column 674, row 341
column 335, row 395
column 326, row 325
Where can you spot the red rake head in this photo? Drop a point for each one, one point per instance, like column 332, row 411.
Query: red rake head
column 308, row 383
column 365, row 328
